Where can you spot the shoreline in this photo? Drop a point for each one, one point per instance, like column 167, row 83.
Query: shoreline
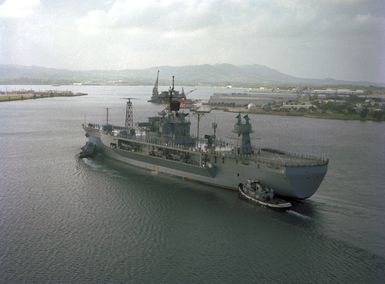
column 31, row 95
column 332, row 116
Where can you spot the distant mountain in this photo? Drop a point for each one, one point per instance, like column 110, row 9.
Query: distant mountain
column 218, row 74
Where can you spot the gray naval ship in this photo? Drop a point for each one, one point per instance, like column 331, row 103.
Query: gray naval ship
column 164, row 145
column 164, row 96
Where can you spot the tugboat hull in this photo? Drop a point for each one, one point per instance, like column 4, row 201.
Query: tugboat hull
column 274, row 203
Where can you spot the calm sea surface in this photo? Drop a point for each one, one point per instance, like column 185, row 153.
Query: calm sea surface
column 98, row 221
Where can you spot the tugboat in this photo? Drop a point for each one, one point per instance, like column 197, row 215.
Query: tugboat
column 255, row 192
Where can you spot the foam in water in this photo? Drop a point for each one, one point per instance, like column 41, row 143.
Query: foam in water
column 99, row 167
column 295, row 213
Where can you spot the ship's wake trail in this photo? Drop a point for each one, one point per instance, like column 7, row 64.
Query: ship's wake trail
column 295, row 213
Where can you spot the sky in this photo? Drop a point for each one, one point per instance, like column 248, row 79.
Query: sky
column 340, row 39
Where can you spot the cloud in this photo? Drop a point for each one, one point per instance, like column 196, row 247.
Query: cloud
column 146, row 15
column 18, row 8
column 310, row 38
column 274, row 18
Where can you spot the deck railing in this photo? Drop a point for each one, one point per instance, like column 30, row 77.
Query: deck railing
column 270, row 157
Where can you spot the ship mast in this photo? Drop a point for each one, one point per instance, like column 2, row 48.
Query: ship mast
column 199, row 113
column 129, row 123
column 215, row 126
column 244, row 130
column 171, row 91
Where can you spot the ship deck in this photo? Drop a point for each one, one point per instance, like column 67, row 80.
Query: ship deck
column 290, row 159
column 272, row 157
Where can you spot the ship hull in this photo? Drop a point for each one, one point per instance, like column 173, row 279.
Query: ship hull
column 298, row 182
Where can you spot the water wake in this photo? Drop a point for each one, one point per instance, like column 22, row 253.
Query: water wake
column 91, row 163
column 295, row 213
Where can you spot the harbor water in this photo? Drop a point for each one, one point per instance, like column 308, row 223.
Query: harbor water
column 70, row 220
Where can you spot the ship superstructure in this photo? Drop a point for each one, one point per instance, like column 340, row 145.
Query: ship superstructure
column 164, row 144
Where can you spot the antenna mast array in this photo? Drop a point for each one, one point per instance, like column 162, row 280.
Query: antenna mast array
column 199, row 113
column 129, row 122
